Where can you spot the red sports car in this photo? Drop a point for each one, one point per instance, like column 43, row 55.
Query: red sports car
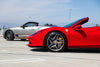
column 69, row 36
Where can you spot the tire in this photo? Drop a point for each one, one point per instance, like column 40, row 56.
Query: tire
column 23, row 39
column 56, row 41
column 9, row 35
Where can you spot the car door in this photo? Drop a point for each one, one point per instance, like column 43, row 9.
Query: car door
column 93, row 37
column 29, row 28
column 85, row 38
column 26, row 29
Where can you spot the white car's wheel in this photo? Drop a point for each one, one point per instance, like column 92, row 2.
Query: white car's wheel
column 9, row 35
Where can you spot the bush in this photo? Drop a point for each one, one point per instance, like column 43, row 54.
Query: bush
column 97, row 25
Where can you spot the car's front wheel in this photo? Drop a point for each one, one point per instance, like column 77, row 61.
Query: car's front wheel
column 9, row 35
column 56, row 41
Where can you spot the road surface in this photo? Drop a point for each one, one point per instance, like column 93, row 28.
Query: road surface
column 17, row 54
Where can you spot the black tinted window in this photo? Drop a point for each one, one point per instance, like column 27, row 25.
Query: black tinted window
column 30, row 25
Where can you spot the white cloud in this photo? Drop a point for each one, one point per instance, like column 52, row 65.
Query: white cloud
column 39, row 10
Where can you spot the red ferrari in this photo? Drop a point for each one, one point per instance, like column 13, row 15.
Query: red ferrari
column 69, row 36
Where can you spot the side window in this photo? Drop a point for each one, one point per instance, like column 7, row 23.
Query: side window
column 29, row 25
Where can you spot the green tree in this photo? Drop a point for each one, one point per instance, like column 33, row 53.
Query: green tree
column 97, row 25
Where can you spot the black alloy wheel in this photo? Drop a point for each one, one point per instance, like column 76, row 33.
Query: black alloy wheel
column 56, row 41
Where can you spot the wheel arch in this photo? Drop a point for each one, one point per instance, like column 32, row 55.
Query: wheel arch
column 6, row 32
column 55, row 31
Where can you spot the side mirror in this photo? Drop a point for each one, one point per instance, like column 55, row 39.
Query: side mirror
column 78, row 27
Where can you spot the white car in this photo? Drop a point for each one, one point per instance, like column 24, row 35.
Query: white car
column 23, row 31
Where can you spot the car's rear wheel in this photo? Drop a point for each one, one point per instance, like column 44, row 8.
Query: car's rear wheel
column 56, row 41
column 9, row 35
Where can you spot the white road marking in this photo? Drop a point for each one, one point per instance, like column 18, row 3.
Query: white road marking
column 21, row 60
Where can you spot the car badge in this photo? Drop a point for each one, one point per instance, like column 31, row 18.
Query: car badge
column 66, row 30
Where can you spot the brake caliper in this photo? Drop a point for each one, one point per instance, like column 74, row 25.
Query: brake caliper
column 60, row 42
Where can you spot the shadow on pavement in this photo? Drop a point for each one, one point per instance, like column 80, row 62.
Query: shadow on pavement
column 18, row 40
column 39, row 49
column 71, row 50
column 83, row 50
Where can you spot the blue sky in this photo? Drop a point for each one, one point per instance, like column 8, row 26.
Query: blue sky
column 49, row 11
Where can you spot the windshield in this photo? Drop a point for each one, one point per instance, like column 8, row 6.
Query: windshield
column 70, row 24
